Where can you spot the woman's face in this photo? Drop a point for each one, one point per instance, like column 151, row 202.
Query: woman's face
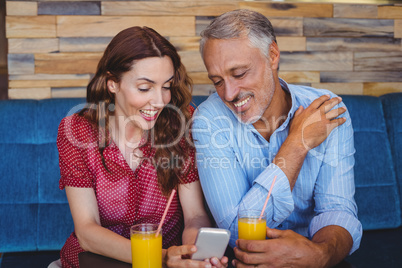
column 143, row 92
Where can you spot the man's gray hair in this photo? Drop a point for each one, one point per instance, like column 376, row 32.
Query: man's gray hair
column 240, row 23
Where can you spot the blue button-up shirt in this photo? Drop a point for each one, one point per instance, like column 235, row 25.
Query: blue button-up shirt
column 236, row 171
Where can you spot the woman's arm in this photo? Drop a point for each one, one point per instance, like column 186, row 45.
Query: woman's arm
column 195, row 216
column 91, row 235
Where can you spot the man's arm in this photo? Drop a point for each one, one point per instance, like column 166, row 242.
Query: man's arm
column 334, row 231
column 224, row 180
column 308, row 129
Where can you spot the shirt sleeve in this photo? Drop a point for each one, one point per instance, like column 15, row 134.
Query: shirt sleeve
column 73, row 141
column 334, row 189
column 221, row 173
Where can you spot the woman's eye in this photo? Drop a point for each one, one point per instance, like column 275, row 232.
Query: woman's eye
column 167, row 87
column 143, row 89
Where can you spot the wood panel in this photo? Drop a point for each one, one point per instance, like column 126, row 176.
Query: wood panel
column 68, row 92
column 357, row 11
column 348, row 27
column 300, row 77
column 47, row 83
column 192, row 61
column 50, row 77
column 30, row 27
column 351, row 77
column 289, row 9
column 390, row 12
column 369, row 61
column 179, row 8
column 316, row 61
column 67, row 63
column 341, row 88
column 377, row 89
column 69, row 8
column 104, row 26
column 84, row 44
column 398, row 28
column 287, row 26
column 21, row 64
column 289, row 43
column 348, row 47
column 353, row 44
column 29, row 93
column 200, row 78
column 185, row 43
column 21, row 8
column 33, row 45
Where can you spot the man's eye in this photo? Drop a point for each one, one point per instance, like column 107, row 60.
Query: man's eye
column 217, row 83
column 239, row 75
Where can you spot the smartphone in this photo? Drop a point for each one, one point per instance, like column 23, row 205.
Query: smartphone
column 211, row 242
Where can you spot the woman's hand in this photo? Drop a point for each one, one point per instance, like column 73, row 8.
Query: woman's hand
column 178, row 256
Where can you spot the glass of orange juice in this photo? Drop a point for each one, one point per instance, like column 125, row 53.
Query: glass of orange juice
column 249, row 225
column 146, row 248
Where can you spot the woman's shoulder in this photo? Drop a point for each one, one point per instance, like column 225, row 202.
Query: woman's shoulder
column 77, row 128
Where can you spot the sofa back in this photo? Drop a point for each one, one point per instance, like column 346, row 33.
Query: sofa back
column 377, row 193
column 392, row 105
column 35, row 214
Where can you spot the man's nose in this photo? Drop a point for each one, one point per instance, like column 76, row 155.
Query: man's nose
column 231, row 90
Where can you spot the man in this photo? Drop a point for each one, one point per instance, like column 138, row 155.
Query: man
column 258, row 127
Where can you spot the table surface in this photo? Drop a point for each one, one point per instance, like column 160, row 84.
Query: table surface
column 90, row 260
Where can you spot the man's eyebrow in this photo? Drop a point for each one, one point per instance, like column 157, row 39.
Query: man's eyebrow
column 231, row 70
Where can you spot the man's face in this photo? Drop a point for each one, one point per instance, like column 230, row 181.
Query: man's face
column 242, row 76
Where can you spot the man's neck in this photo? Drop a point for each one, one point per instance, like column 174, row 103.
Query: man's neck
column 276, row 113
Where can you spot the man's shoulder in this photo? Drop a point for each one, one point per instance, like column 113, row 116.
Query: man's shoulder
column 306, row 94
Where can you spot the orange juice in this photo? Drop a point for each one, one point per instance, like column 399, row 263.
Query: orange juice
column 252, row 228
column 146, row 249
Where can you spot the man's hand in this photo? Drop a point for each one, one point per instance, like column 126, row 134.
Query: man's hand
column 289, row 249
column 311, row 126
column 308, row 129
column 281, row 249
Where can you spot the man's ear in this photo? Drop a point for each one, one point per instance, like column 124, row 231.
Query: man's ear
column 112, row 86
column 274, row 55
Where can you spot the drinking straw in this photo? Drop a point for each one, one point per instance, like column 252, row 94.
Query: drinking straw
column 165, row 212
column 266, row 200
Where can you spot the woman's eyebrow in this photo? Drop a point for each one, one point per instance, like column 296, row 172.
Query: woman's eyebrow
column 153, row 82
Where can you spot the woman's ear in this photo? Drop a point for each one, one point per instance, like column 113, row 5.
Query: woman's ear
column 274, row 55
column 112, row 86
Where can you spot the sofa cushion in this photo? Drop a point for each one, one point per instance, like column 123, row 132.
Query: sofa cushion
column 376, row 187
column 30, row 199
column 392, row 106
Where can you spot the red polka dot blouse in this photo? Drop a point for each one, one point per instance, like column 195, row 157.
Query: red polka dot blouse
column 125, row 197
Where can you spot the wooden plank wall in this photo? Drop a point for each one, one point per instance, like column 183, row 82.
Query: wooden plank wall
column 54, row 46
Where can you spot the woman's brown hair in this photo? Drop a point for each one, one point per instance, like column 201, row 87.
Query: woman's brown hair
column 126, row 47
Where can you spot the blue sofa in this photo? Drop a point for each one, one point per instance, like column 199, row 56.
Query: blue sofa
column 34, row 213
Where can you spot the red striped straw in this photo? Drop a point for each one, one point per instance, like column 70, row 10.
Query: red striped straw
column 165, row 212
column 266, row 200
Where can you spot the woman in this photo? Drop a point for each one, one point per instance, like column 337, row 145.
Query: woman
column 121, row 157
